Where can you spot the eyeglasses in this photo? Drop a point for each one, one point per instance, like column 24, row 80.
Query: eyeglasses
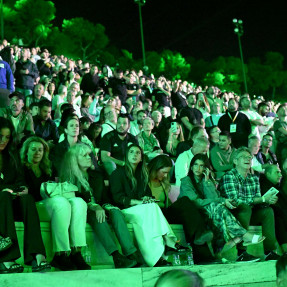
column 246, row 157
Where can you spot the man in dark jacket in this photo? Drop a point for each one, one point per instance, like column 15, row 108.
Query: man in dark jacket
column 26, row 74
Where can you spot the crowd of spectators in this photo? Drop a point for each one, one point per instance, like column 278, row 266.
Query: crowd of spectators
column 129, row 141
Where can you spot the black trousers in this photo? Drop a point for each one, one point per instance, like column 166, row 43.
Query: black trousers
column 185, row 212
column 23, row 209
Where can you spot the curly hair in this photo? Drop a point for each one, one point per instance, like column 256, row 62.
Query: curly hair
column 45, row 164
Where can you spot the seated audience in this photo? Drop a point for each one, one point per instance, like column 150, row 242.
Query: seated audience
column 236, row 123
column 147, row 141
column 199, row 186
column 250, row 208
column 273, row 178
column 21, row 120
column 175, row 137
column 222, row 154
column 182, row 211
column 182, row 164
column 68, row 216
column 114, row 144
column 77, row 170
column 131, row 193
column 16, row 204
column 44, row 126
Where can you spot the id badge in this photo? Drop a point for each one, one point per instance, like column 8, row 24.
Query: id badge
column 233, row 128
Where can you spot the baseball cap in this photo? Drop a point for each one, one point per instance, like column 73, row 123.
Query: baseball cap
column 18, row 95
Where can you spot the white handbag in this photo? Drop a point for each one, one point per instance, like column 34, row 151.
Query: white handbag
column 51, row 189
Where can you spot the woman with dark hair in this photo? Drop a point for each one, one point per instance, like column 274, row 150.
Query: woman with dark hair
column 17, row 205
column 182, row 211
column 199, row 186
column 213, row 133
column 131, row 193
column 77, row 170
column 94, row 134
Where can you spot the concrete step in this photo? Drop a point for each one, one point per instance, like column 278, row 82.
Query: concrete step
column 246, row 275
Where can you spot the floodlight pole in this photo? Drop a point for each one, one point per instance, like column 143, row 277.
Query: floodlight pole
column 239, row 32
column 242, row 63
column 141, row 3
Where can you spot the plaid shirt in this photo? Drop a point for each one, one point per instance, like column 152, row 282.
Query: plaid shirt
column 241, row 190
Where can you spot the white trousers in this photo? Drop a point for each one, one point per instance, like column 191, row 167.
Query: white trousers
column 151, row 229
column 68, row 222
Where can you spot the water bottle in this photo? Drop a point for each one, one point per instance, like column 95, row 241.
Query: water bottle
column 176, row 260
column 189, row 255
column 87, row 254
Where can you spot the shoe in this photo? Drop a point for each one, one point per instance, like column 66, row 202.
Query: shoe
column 245, row 257
column 78, row 260
column 162, row 263
column 121, row 261
column 138, row 258
column 5, row 243
column 271, row 256
column 203, row 238
column 44, row 266
column 255, row 240
column 63, row 262
column 230, row 244
column 176, row 249
column 15, row 268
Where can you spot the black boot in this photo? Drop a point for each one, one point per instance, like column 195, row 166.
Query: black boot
column 62, row 261
column 78, row 260
column 121, row 261
column 138, row 258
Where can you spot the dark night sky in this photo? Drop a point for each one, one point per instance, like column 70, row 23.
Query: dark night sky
column 201, row 29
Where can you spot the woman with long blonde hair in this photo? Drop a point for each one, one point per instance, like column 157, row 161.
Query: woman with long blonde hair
column 77, row 170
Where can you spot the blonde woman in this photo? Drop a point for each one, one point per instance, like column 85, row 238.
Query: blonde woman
column 175, row 137
column 77, row 170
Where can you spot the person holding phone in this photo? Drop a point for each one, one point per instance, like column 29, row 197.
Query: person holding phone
column 200, row 187
column 174, row 138
column 243, row 188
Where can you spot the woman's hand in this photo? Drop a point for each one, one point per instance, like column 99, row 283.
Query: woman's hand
column 100, row 214
column 228, row 204
column 206, row 173
column 23, row 192
column 136, row 202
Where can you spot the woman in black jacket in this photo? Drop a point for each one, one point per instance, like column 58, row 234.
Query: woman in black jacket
column 131, row 193
column 17, row 205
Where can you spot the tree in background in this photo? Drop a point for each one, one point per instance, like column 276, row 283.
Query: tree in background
column 88, row 38
column 29, row 20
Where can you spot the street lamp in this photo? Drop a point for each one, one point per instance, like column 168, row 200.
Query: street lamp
column 238, row 30
column 141, row 3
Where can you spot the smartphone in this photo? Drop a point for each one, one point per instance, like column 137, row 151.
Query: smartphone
column 173, row 127
column 272, row 191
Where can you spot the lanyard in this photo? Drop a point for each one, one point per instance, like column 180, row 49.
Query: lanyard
column 233, row 120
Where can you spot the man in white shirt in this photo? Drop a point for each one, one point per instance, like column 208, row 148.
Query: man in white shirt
column 110, row 117
column 182, row 164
